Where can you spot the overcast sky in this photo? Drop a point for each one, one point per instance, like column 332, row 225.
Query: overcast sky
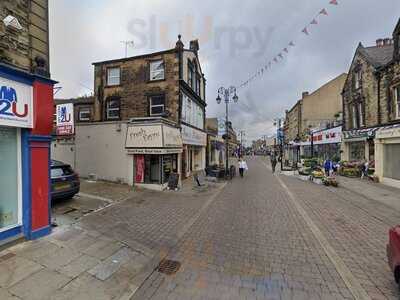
column 236, row 39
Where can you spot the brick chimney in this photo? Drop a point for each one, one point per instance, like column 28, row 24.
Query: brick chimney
column 387, row 41
column 379, row 42
column 305, row 94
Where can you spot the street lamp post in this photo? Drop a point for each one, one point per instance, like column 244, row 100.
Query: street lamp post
column 229, row 95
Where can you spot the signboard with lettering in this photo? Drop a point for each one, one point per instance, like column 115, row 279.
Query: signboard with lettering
column 153, row 139
column 16, row 106
column 65, row 119
column 191, row 136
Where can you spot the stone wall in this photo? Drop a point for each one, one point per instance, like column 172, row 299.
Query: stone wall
column 22, row 48
column 135, row 88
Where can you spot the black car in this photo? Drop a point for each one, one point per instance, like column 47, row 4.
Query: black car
column 64, row 181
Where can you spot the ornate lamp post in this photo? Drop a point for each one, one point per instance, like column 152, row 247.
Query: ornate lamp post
column 229, row 95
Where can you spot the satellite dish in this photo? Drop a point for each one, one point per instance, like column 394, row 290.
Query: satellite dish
column 11, row 21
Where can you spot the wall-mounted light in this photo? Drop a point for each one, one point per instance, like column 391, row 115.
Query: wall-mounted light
column 11, row 21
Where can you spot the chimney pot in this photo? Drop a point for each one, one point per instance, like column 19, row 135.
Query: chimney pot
column 305, row 94
column 194, row 45
column 387, row 41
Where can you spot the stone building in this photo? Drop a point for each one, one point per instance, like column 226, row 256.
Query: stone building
column 26, row 109
column 371, row 107
column 150, row 111
column 313, row 112
column 27, row 49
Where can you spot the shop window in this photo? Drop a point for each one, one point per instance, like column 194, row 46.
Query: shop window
column 113, row 76
column 84, row 114
column 157, row 70
column 170, row 165
column 157, row 105
column 397, row 100
column 9, row 178
column 357, row 151
column 152, row 169
column 391, row 163
column 113, row 109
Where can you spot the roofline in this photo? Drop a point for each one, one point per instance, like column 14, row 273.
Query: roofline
column 138, row 56
column 327, row 83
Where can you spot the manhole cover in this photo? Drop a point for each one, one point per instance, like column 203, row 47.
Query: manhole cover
column 168, row 267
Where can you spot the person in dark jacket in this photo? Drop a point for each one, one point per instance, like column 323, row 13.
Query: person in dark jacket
column 273, row 163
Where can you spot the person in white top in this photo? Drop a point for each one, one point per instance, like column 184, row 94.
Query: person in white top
column 242, row 166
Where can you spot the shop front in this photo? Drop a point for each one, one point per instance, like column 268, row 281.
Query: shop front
column 156, row 148
column 194, row 150
column 326, row 144
column 26, row 110
column 358, row 145
column 387, row 150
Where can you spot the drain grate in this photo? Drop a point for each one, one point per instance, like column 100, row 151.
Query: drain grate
column 168, row 267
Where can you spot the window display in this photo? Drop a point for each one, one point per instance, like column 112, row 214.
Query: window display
column 9, row 189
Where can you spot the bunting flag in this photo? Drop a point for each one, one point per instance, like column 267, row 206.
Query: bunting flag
column 323, row 12
column 280, row 56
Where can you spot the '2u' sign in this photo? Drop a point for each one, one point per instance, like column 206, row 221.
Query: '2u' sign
column 8, row 103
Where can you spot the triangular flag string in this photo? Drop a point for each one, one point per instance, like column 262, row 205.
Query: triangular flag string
column 280, row 56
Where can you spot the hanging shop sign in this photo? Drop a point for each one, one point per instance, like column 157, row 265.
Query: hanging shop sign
column 191, row 136
column 221, row 126
column 65, row 119
column 16, row 105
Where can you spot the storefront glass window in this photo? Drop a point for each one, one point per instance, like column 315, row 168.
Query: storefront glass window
column 170, row 165
column 152, row 169
column 357, row 151
column 8, row 177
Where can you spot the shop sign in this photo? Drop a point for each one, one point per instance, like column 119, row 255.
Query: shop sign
column 144, row 136
column 387, row 133
column 65, row 119
column 191, row 136
column 329, row 136
column 172, row 137
column 154, row 151
column 16, row 106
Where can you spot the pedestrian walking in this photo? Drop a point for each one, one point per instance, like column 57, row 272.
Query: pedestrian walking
column 242, row 167
column 328, row 167
column 273, row 163
column 364, row 169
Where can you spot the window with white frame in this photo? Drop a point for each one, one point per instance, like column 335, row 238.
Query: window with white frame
column 357, row 79
column 113, row 109
column 354, row 116
column 396, row 93
column 157, row 105
column 84, row 114
column 360, row 114
column 157, row 70
column 192, row 113
column 113, row 76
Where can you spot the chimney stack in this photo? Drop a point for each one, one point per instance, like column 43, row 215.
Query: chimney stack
column 387, row 41
column 305, row 94
column 194, row 46
column 379, row 42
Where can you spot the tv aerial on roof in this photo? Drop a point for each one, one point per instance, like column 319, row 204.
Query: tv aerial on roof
column 11, row 21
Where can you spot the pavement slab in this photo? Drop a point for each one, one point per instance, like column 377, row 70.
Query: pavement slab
column 16, row 269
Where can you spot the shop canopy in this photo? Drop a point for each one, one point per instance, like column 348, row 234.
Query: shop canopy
column 365, row 133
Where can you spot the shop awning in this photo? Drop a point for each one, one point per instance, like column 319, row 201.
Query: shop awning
column 365, row 133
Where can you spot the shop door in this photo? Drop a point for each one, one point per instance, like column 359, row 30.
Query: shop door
column 9, row 178
column 391, row 162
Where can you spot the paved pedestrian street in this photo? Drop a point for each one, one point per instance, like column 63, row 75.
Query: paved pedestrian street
column 276, row 237
column 264, row 236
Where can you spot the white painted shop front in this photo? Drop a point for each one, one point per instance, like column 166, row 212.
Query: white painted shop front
column 194, row 150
